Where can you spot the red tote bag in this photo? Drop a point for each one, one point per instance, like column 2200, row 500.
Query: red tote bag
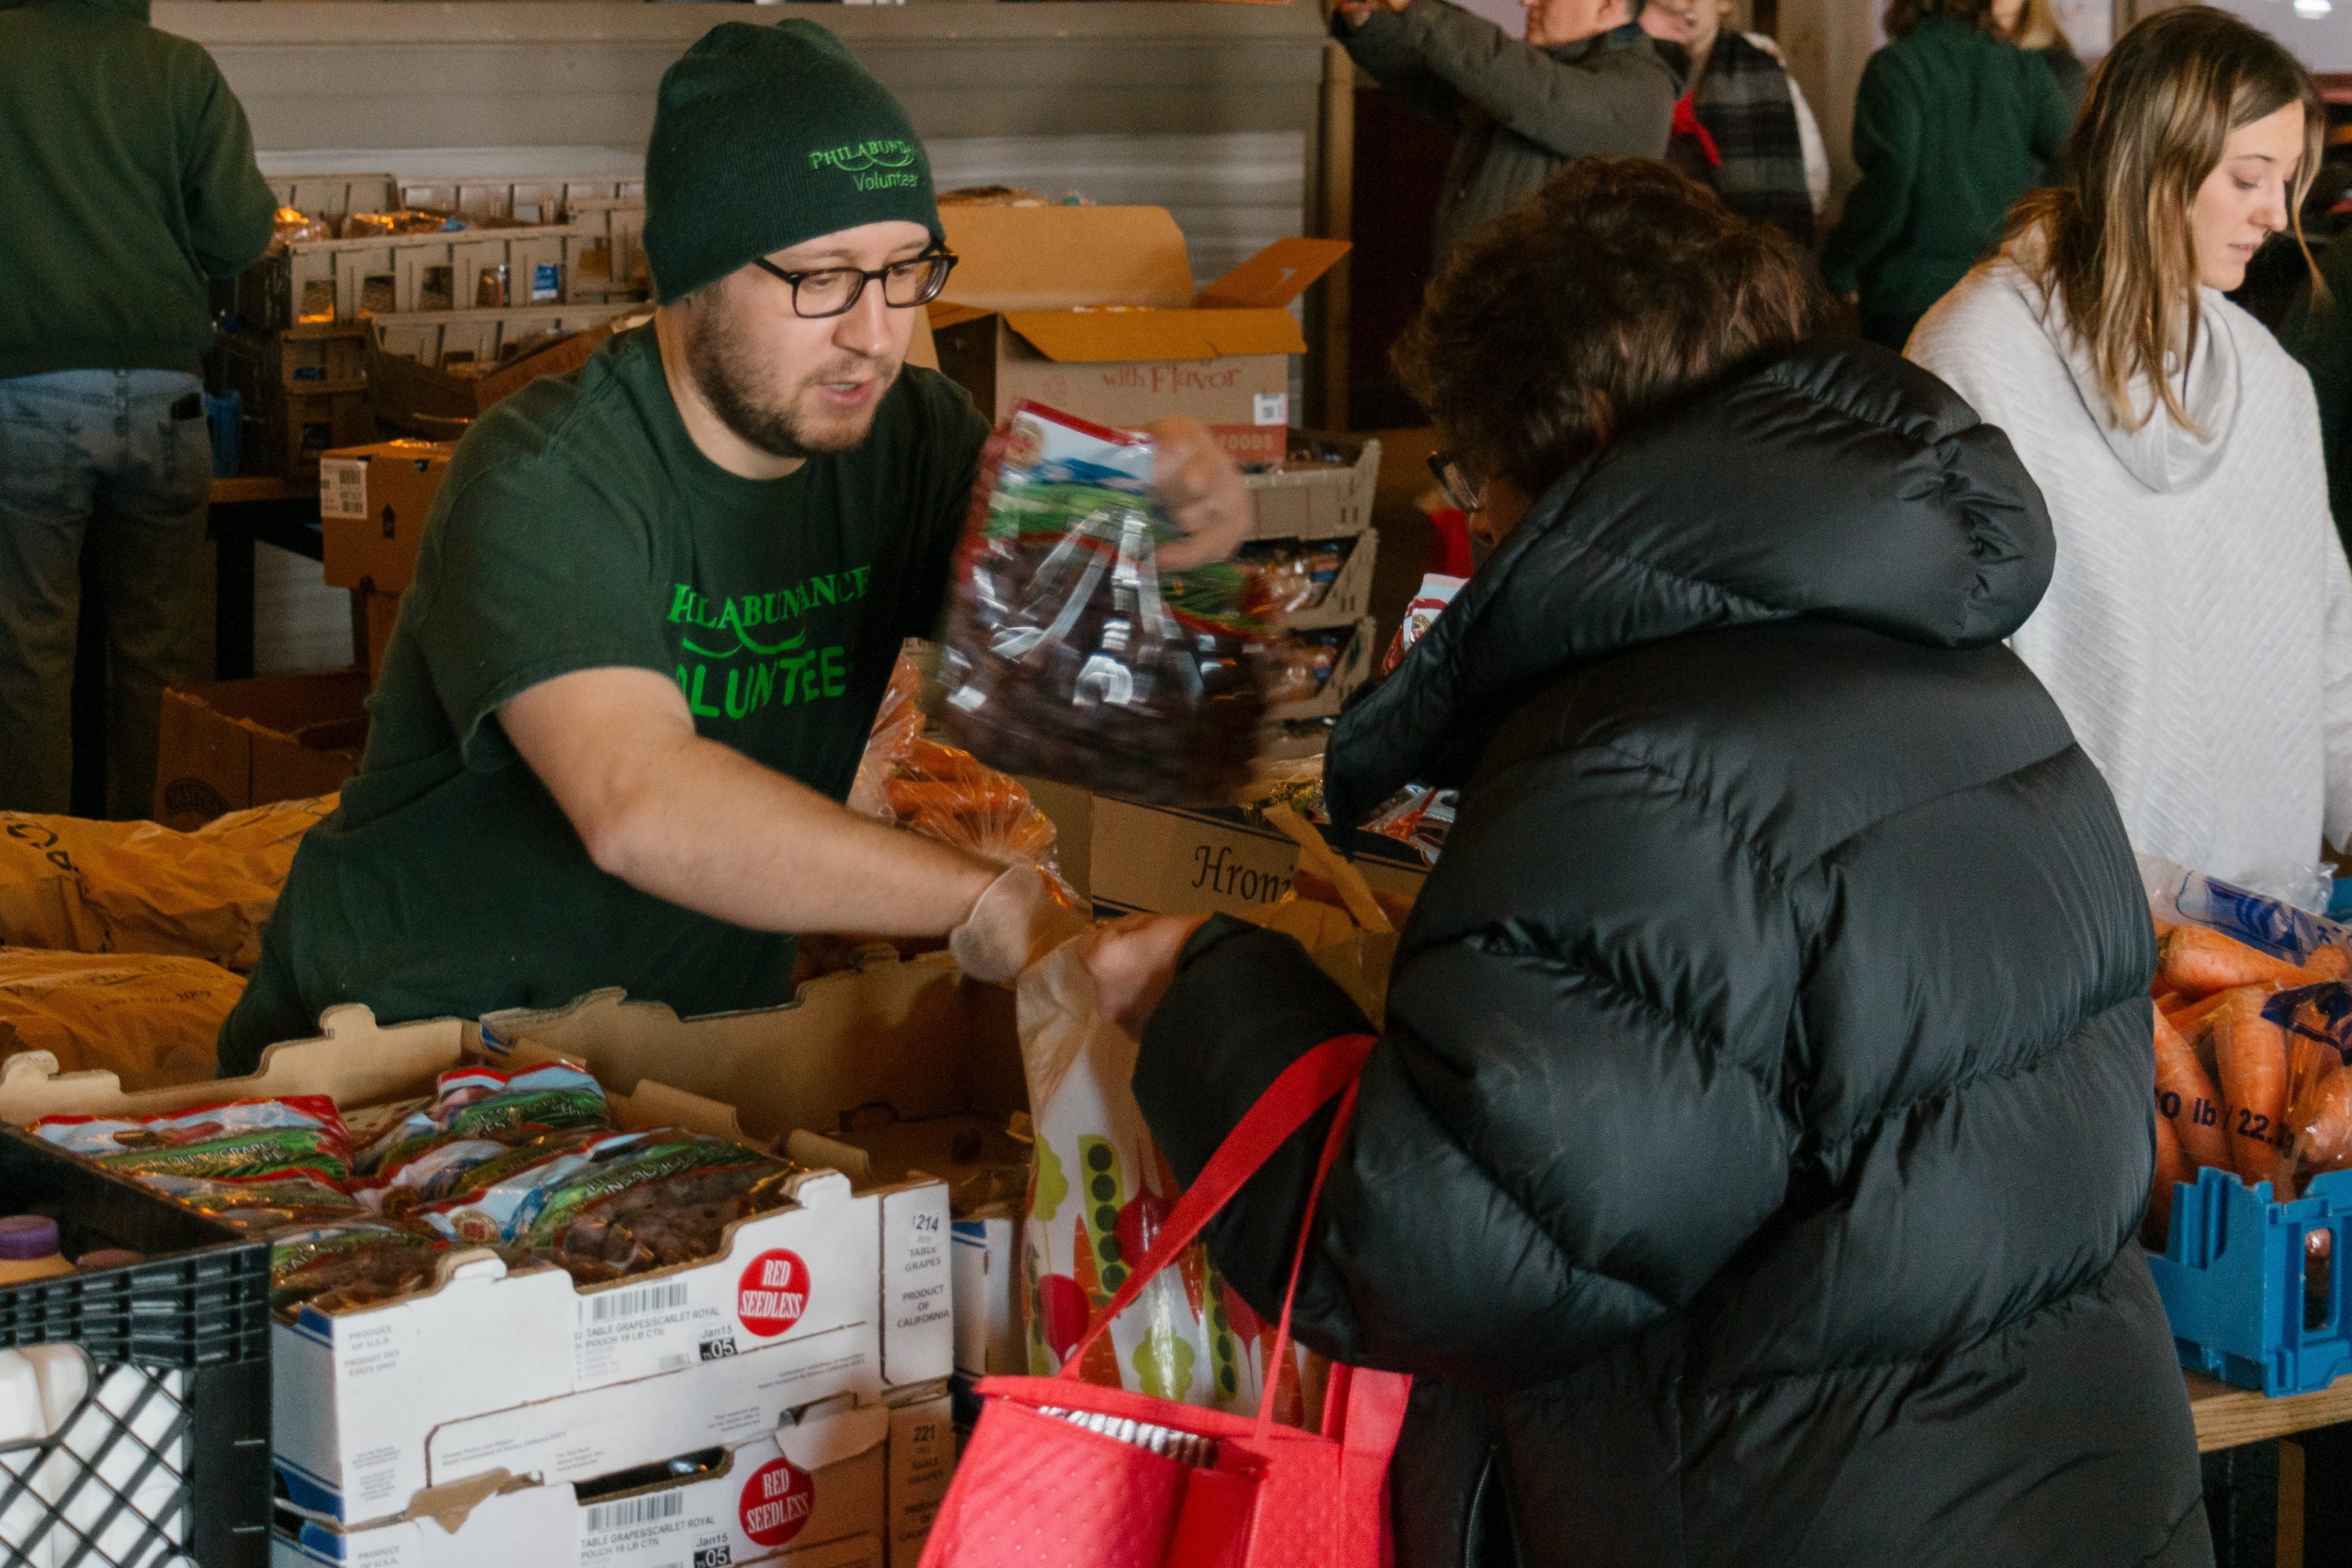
column 1061, row 1473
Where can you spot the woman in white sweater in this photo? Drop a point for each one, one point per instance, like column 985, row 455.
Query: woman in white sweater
column 2198, row 629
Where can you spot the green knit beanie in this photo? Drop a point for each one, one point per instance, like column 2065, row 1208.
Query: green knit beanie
column 764, row 137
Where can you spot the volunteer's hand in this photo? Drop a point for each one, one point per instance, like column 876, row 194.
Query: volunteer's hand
column 1014, row 924
column 1132, row 960
column 1201, row 492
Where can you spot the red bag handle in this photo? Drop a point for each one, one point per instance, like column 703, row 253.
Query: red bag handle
column 1329, row 1071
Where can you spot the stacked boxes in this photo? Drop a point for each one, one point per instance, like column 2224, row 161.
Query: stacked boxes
column 298, row 344
column 303, row 391
column 786, row 1396
column 1312, row 528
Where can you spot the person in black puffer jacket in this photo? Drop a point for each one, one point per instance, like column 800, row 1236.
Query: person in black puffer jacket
column 1750, row 1169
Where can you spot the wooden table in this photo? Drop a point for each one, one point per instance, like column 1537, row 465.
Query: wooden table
column 2227, row 1417
column 246, row 510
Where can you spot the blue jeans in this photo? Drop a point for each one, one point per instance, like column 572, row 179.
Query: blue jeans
column 122, row 459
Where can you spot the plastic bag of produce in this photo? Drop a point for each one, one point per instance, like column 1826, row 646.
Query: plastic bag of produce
column 1069, row 655
column 1098, row 1195
column 334, row 1267
column 261, row 1204
column 77, row 886
column 949, row 795
column 611, row 1204
column 2252, row 1026
column 484, row 1104
column 300, row 1136
column 149, row 1021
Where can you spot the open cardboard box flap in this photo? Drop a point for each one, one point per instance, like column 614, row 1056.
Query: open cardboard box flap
column 1089, row 285
column 1051, row 258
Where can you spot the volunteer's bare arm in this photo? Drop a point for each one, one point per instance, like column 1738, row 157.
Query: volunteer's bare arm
column 702, row 826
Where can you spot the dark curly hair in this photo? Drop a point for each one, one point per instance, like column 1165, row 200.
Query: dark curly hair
column 1620, row 291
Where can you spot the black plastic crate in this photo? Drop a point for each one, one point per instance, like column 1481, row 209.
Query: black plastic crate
column 179, row 1353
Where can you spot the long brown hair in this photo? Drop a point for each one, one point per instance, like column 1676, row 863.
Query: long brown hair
column 2120, row 253
column 1618, row 292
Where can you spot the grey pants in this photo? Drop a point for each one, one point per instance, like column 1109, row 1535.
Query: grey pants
column 122, row 458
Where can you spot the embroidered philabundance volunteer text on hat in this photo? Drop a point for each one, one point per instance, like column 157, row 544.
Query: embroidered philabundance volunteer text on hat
column 768, row 136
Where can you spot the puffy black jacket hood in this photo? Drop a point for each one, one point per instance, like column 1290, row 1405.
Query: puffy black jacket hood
column 1750, row 1168
column 1866, row 492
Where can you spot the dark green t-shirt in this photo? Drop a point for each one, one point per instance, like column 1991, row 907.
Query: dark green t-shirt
column 579, row 528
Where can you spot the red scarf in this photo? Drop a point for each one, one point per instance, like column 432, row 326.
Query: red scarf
column 1687, row 124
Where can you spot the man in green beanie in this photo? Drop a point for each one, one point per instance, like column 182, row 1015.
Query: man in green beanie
column 658, row 599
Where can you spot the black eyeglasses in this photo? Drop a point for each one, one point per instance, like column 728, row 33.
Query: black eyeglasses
column 1456, row 484
column 835, row 291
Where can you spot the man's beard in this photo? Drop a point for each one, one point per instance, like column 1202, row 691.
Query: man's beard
column 741, row 389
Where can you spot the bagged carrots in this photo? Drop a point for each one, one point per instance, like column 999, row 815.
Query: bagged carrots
column 2186, row 1098
column 2324, row 1122
column 2252, row 1037
column 2196, row 961
column 2249, row 1053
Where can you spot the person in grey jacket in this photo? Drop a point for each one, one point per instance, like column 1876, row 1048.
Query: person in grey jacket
column 1585, row 82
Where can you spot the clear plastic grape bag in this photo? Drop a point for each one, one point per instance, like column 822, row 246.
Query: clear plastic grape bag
column 1070, row 655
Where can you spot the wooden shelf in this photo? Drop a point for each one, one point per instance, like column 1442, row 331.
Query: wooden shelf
column 2227, row 1417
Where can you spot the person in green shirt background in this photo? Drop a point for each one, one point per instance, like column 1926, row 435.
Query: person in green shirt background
column 658, row 602
column 127, row 178
column 1951, row 125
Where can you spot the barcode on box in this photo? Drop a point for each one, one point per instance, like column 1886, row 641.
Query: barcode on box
column 637, row 1303
column 343, row 489
column 630, row 1513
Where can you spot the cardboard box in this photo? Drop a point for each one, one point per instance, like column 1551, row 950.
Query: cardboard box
column 529, row 199
column 1351, row 668
column 835, row 1486
column 307, row 425
column 1346, row 598
column 470, row 268
column 988, row 1334
column 336, row 196
column 1324, row 490
column 489, row 1371
column 1166, row 860
column 372, row 503
column 452, row 365
column 1092, row 310
column 227, row 744
column 987, row 1173
column 615, row 257
column 330, row 356
column 915, row 1037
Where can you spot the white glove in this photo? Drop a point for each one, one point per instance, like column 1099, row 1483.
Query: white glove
column 1013, row 924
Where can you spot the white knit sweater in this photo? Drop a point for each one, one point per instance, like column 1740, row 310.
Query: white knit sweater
column 2198, row 630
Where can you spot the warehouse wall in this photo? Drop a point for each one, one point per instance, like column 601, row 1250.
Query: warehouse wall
column 1209, row 111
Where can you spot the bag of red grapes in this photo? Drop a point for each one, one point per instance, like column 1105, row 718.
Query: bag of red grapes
column 1070, row 655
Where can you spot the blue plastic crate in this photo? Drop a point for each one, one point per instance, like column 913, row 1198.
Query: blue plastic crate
column 2234, row 1273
